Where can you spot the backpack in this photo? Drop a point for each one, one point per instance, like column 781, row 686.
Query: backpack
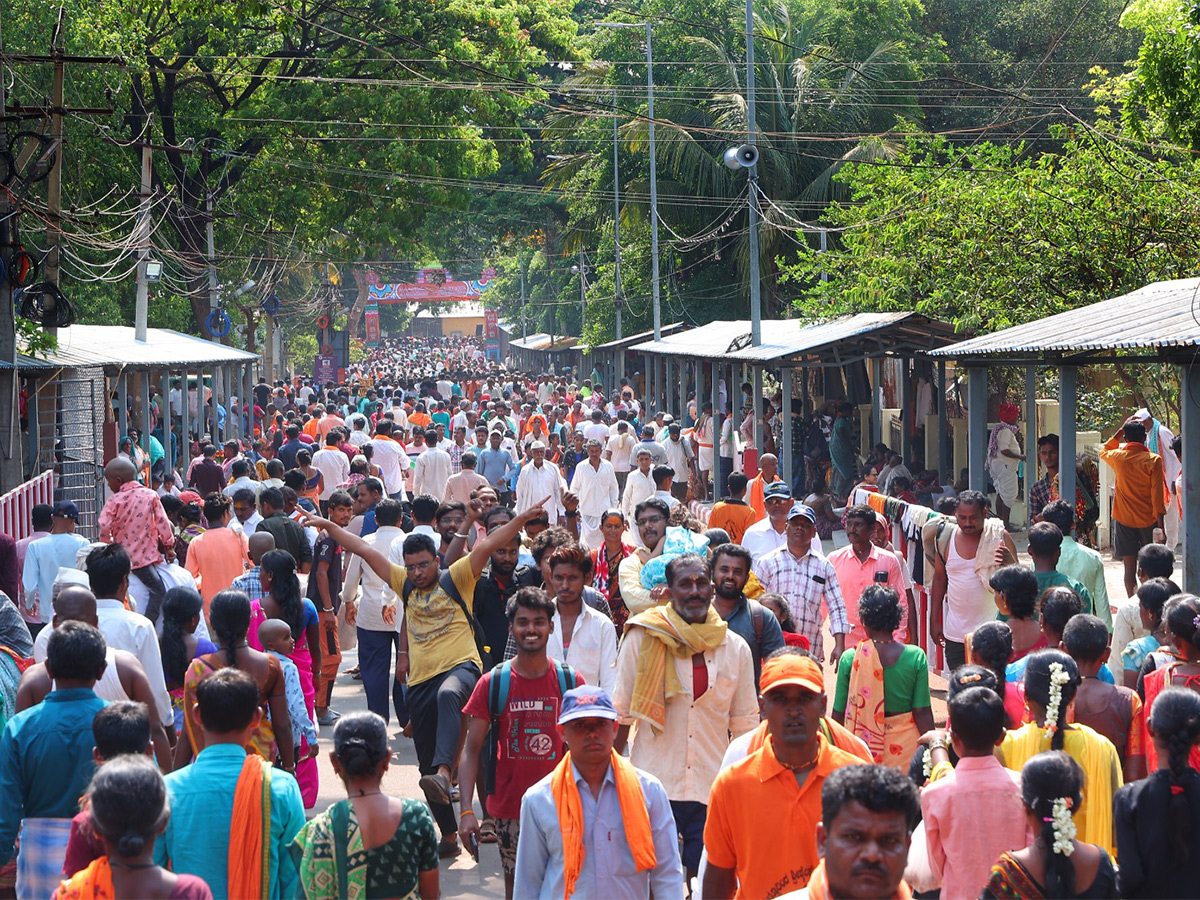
column 446, row 582
column 498, row 700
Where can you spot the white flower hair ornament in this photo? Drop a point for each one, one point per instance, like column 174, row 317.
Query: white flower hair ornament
column 1058, row 677
column 1064, row 826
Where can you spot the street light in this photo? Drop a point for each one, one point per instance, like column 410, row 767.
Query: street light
column 653, row 170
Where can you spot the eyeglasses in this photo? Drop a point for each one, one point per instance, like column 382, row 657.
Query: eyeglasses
column 650, row 520
column 421, row 565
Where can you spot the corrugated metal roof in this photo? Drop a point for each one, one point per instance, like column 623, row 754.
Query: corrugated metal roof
column 81, row 346
column 541, row 341
column 832, row 342
column 632, row 339
column 1160, row 316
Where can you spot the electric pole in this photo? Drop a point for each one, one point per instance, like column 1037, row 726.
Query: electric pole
column 616, row 220
column 143, row 288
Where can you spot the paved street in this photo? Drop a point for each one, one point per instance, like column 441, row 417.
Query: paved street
column 460, row 877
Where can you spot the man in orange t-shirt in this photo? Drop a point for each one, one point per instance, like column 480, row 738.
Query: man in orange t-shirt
column 780, row 783
column 1139, row 495
column 731, row 512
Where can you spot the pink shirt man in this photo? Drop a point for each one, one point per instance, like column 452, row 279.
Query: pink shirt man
column 134, row 517
column 972, row 816
column 880, row 567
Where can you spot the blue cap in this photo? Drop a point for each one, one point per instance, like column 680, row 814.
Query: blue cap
column 801, row 511
column 66, row 509
column 777, row 489
column 587, row 702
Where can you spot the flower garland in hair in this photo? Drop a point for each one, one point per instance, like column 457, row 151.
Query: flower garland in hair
column 1058, row 677
column 927, row 763
column 1064, row 826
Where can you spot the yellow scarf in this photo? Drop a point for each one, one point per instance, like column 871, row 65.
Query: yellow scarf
column 93, row 883
column 667, row 635
column 570, row 818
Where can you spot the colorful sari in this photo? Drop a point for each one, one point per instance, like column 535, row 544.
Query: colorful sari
column 604, row 579
column 892, row 740
column 1011, row 881
column 262, row 742
column 306, row 769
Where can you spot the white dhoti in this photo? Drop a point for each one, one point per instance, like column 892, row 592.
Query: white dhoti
column 590, row 535
column 1004, row 477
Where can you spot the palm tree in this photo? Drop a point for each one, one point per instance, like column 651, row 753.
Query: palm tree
column 814, row 113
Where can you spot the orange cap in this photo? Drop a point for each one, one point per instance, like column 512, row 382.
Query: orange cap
column 790, row 669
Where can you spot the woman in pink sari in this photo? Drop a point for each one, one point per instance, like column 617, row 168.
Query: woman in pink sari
column 282, row 600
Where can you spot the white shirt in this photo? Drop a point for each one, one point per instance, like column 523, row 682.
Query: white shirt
column 248, row 527
column 761, row 538
column 375, row 592
column 638, row 487
column 536, row 482
column 358, row 438
column 237, row 484
column 132, row 632
column 593, row 650
column 596, row 431
column 392, row 461
column 621, row 448
column 432, row 471
column 678, row 454
column 597, row 488
column 667, row 497
column 686, row 755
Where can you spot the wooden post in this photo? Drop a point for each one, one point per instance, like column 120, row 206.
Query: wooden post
column 1067, row 427
column 977, row 430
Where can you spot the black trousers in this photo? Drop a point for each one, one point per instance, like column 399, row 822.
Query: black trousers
column 149, row 576
column 436, row 709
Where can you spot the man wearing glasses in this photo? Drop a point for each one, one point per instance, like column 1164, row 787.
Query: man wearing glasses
column 650, row 517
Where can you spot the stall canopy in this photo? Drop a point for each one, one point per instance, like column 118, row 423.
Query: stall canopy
column 114, row 346
column 1159, row 322
column 1156, row 323
column 797, row 342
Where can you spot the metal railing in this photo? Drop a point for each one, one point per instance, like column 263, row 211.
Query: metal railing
column 16, row 507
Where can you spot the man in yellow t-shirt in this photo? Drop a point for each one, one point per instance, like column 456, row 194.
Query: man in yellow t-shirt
column 438, row 652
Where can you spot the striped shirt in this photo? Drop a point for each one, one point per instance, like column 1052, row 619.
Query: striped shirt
column 809, row 583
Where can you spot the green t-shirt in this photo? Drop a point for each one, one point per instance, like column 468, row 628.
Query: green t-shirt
column 1047, row 580
column 905, row 685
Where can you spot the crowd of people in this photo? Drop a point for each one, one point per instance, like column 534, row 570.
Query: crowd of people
column 622, row 689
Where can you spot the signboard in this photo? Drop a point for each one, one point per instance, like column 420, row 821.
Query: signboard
column 491, row 325
column 325, row 369
column 371, row 320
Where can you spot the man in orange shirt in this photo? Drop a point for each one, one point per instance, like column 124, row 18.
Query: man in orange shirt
column 769, row 474
column 1139, row 497
column 731, row 512
column 780, row 783
column 420, row 419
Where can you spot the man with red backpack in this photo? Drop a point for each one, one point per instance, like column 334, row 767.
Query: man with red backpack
column 513, row 716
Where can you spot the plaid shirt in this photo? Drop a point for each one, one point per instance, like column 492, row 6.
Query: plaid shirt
column 808, row 582
column 456, row 454
column 249, row 584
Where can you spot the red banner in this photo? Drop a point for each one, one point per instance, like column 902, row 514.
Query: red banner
column 491, row 325
column 371, row 319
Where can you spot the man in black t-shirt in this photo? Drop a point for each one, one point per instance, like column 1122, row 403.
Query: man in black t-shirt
column 325, row 591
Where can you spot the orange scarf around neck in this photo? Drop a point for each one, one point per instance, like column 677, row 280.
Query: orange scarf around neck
column 818, row 886
column 570, row 818
column 93, row 883
column 836, row 734
column 249, row 848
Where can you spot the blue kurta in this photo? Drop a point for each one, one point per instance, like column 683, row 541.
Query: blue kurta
column 196, row 841
column 46, row 761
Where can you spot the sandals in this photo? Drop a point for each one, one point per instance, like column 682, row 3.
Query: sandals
column 487, row 831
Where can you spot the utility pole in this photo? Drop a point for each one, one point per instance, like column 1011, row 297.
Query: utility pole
column 521, row 265
column 653, row 171
column 213, row 285
column 54, row 185
column 616, row 220
column 269, row 325
column 143, row 288
column 752, row 128
column 12, row 463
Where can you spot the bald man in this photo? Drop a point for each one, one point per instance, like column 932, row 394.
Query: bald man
column 124, row 677
column 134, row 518
column 258, row 544
column 768, row 474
